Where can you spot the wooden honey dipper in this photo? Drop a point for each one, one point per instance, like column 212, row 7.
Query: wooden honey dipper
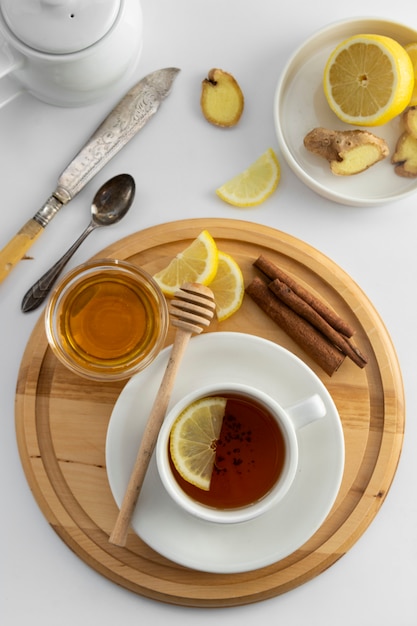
column 191, row 310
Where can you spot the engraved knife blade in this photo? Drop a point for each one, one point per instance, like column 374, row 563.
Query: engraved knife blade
column 139, row 104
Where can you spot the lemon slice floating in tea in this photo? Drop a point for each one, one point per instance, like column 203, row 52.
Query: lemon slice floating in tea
column 368, row 80
column 193, row 440
column 227, row 287
column 253, row 185
column 196, row 264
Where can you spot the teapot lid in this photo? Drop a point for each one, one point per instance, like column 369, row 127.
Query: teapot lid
column 59, row 26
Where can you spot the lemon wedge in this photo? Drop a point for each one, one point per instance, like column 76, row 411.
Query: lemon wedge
column 196, row 264
column 193, row 440
column 253, row 185
column 368, row 80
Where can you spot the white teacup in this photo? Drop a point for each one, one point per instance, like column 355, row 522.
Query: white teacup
column 288, row 420
column 66, row 52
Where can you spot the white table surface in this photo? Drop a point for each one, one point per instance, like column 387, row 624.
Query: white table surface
column 178, row 160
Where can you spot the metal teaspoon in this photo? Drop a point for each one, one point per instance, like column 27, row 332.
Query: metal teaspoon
column 110, row 204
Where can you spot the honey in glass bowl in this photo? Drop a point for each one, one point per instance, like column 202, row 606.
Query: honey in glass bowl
column 106, row 320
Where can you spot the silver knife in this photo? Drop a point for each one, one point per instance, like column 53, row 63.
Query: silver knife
column 124, row 121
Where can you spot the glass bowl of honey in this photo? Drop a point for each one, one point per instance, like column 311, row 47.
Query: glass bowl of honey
column 106, row 320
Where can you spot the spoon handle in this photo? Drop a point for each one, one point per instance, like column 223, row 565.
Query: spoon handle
column 39, row 290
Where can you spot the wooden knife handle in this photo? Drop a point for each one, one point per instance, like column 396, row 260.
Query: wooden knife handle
column 17, row 247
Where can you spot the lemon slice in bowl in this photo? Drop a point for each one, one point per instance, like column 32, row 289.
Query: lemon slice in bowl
column 196, row 264
column 368, row 80
column 411, row 50
column 253, row 185
column 193, row 440
column 227, row 286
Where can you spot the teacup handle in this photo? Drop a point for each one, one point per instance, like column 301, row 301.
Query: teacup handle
column 8, row 64
column 307, row 410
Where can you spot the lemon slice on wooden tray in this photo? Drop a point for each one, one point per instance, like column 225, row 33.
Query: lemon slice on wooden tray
column 368, row 80
column 202, row 262
column 227, row 286
column 255, row 184
column 193, row 440
column 196, row 264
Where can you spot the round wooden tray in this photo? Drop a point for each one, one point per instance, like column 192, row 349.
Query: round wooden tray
column 61, row 423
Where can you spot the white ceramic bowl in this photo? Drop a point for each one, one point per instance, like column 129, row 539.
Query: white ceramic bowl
column 300, row 106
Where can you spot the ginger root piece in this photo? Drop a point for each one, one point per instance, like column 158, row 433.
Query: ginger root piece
column 410, row 121
column 348, row 151
column 222, row 99
column 405, row 156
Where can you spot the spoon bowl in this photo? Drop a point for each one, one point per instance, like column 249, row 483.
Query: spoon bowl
column 112, row 201
column 110, row 204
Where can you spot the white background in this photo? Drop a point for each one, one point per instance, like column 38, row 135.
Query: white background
column 178, row 160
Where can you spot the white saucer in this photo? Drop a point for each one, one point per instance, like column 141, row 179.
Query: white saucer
column 206, row 546
column 300, row 106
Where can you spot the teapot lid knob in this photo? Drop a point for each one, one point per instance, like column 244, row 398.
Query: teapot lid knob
column 59, row 26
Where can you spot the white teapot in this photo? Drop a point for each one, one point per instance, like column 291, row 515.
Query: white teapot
column 67, row 52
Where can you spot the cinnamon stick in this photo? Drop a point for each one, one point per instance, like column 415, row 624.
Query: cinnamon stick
column 318, row 347
column 300, row 306
column 272, row 272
